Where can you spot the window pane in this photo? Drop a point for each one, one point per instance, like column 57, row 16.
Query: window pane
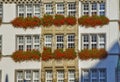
column 71, row 41
column 48, row 40
column 29, row 10
column 60, row 8
column 49, row 76
column 48, row 8
column 71, row 76
column 71, row 9
column 60, row 40
column 21, row 10
column 37, row 10
column 60, row 76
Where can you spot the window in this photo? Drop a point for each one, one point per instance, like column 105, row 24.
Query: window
column 60, row 76
column 90, row 41
column 28, row 10
column 94, row 75
column 49, row 76
column 0, row 76
column 71, row 41
column 27, row 76
column 48, row 40
column 0, row 44
column 28, row 42
column 71, row 76
column 60, row 8
column 93, row 8
column 85, row 9
column 48, row 8
column 60, row 41
column 71, row 9
column 1, row 11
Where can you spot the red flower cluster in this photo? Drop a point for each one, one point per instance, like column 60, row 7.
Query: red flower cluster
column 70, row 20
column 59, row 20
column 58, row 54
column 28, row 22
column 19, row 56
column 93, row 21
column 70, row 53
column 93, row 54
column 47, row 54
column 47, row 20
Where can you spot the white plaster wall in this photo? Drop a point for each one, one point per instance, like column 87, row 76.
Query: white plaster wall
column 9, row 12
column 9, row 33
column 110, row 63
column 8, row 66
column 112, row 9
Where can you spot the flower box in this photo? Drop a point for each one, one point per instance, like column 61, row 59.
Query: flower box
column 28, row 22
column 93, row 54
column 19, row 55
column 58, row 54
column 93, row 21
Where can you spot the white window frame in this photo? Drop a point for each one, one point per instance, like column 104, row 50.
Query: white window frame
column 98, row 41
column 88, row 76
column 26, row 10
column 71, row 37
column 70, row 11
column 23, row 77
column 0, row 44
column 48, row 40
column 71, row 76
column 33, row 44
column 85, row 8
column 60, row 42
column 60, row 8
column 0, row 76
column 49, row 10
column 60, row 76
column 92, row 10
column 49, row 76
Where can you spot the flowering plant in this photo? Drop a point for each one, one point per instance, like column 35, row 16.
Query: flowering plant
column 58, row 54
column 47, row 54
column 70, row 20
column 20, row 55
column 93, row 21
column 28, row 22
column 59, row 20
column 47, row 20
column 93, row 54
column 70, row 53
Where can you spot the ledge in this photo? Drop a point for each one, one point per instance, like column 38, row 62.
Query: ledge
column 62, row 29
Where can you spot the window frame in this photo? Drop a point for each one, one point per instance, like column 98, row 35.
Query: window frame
column 46, row 76
column 25, row 11
column 89, row 42
column 70, row 11
column 48, row 41
column 91, row 11
column 48, row 11
column 69, row 78
column 61, row 72
column 71, row 42
column 23, row 72
column 60, row 44
column 62, row 12
column 89, row 76
column 1, row 44
column 25, row 44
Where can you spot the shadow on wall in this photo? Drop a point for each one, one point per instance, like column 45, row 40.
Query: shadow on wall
column 103, row 70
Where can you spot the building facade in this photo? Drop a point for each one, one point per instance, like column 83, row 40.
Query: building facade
column 18, row 35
